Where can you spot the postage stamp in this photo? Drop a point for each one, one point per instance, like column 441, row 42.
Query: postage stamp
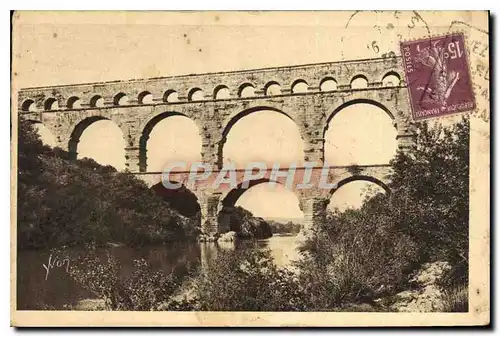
column 438, row 77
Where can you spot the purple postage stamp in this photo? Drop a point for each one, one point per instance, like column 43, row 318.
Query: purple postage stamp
column 438, row 77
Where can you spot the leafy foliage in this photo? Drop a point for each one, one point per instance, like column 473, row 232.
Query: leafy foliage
column 145, row 289
column 456, row 299
column 430, row 199
column 358, row 255
column 284, row 228
column 355, row 257
column 243, row 222
column 64, row 203
column 247, row 281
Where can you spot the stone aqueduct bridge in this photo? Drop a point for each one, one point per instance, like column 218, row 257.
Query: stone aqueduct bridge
column 311, row 95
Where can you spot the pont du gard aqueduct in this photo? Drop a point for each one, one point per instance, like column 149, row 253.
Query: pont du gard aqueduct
column 310, row 95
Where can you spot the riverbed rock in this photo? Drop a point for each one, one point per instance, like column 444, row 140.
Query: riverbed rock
column 430, row 273
column 255, row 228
column 207, row 238
column 241, row 221
column 228, row 237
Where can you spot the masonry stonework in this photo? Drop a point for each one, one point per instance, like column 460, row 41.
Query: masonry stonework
column 68, row 110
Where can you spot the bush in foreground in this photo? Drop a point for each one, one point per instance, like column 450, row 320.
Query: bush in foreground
column 359, row 255
column 146, row 289
column 247, row 281
column 356, row 258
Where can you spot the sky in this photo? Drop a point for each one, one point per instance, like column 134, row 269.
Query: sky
column 64, row 48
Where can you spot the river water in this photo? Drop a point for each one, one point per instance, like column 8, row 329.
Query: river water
column 39, row 289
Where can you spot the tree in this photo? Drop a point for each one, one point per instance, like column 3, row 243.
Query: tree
column 361, row 254
column 63, row 202
column 430, row 194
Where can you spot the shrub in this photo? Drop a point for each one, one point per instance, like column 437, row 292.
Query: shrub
column 70, row 203
column 284, row 228
column 456, row 299
column 356, row 257
column 247, row 280
column 145, row 289
column 430, row 195
column 241, row 221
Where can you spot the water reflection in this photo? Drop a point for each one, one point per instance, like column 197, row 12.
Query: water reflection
column 59, row 290
column 283, row 249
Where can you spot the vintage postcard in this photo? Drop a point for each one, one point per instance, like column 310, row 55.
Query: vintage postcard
column 250, row 168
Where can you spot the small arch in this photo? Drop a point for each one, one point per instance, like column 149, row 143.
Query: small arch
column 170, row 96
column 145, row 97
column 359, row 82
column 272, row 88
column 51, row 104
column 300, row 86
column 360, row 178
column 97, row 101
column 28, row 106
column 120, row 99
column 221, row 92
column 195, row 94
column 74, row 103
column 391, row 79
column 246, row 90
column 328, row 84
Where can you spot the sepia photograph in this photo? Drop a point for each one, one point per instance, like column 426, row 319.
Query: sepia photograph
column 250, row 168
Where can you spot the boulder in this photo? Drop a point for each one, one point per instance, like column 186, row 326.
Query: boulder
column 429, row 273
column 427, row 297
column 228, row 237
column 246, row 226
column 207, row 238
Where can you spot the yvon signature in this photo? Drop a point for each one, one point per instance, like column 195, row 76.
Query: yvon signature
column 55, row 262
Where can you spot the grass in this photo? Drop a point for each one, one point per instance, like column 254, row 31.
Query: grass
column 456, row 299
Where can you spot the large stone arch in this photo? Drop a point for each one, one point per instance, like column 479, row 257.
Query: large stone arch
column 78, row 130
column 36, row 123
column 230, row 197
column 182, row 199
column 352, row 102
column 356, row 195
column 235, row 117
column 69, row 126
column 147, row 127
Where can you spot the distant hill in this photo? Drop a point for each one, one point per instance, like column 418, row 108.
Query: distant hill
column 285, row 220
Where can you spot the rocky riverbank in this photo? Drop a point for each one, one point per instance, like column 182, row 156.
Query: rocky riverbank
column 426, row 294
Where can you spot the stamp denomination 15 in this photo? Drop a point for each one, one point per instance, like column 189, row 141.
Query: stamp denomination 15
column 438, row 77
